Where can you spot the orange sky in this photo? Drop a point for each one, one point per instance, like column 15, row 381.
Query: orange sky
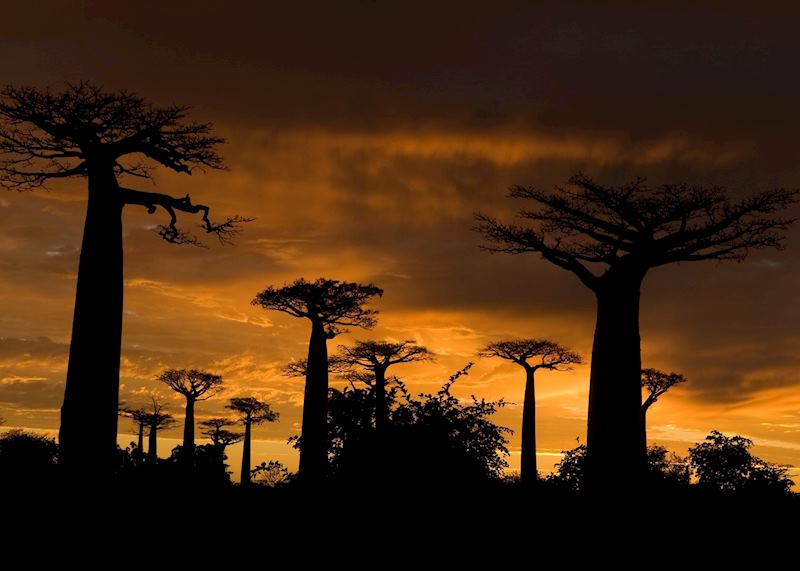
column 362, row 141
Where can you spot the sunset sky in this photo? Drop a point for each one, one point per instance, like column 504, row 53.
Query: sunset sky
column 363, row 137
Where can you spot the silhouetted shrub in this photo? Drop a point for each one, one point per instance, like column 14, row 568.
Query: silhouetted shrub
column 431, row 438
column 725, row 464
column 26, row 456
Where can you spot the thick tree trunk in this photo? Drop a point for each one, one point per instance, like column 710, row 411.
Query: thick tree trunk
column 643, row 437
column 188, row 431
column 140, row 444
column 528, row 470
column 381, row 406
column 615, row 463
column 88, row 433
column 314, row 443
column 152, row 445
column 245, row 480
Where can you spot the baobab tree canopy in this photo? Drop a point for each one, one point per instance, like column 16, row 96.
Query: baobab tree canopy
column 584, row 224
column 336, row 305
column 45, row 136
column 191, row 383
column 657, row 383
column 548, row 355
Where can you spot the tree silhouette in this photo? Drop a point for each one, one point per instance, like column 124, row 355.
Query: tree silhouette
column 545, row 355
column 375, row 357
column 271, row 474
column 156, row 420
column 221, row 437
column 195, row 386
column 725, row 464
column 610, row 237
column 331, row 306
column 251, row 411
column 86, row 132
column 140, row 418
column 434, row 439
column 656, row 383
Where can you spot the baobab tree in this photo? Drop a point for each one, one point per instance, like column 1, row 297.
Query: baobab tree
column 195, row 386
column 375, row 358
column 330, row 306
column 251, row 411
column 216, row 429
column 156, row 420
column 140, row 418
column 89, row 133
column 656, row 383
column 531, row 355
column 610, row 237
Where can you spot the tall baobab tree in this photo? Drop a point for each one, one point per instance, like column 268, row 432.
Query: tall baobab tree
column 656, row 383
column 156, row 420
column 610, row 237
column 251, row 411
column 89, row 133
column 140, row 417
column 330, row 306
column 195, row 386
column 375, row 358
column 531, row 355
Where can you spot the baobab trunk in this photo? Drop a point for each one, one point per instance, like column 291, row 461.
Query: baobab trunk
column 381, row 408
column 314, row 444
column 88, row 432
column 140, row 444
column 152, row 445
column 188, row 432
column 615, row 462
column 245, row 480
column 643, row 437
column 528, row 470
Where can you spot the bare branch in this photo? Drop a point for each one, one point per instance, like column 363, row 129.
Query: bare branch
column 170, row 232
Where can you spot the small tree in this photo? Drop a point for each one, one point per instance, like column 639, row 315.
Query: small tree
column 251, row 411
column 610, row 238
column 195, row 386
column 330, row 306
column 87, row 132
column 375, row 358
column 656, row 383
column 725, row 464
column 216, row 429
column 156, row 420
column 140, row 418
column 221, row 437
column 271, row 474
column 531, row 355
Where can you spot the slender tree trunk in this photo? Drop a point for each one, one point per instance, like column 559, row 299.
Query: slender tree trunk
column 615, row 463
column 188, row 431
column 245, row 480
column 314, row 444
column 152, row 445
column 140, row 444
column 528, row 470
column 88, row 432
column 381, row 406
